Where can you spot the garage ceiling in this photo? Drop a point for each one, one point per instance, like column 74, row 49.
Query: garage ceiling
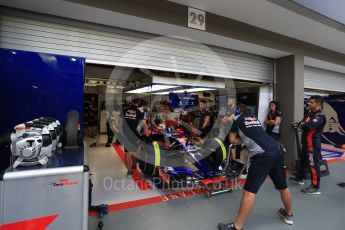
column 280, row 19
column 110, row 18
column 271, row 15
column 324, row 65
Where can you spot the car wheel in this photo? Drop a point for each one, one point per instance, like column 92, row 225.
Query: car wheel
column 216, row 152
column 151, row 157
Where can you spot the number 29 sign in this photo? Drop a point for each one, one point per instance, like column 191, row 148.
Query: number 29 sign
column 196, row 19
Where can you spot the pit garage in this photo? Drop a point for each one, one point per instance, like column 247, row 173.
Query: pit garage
column 86, row 75
column 118, row 66
column 158, row 91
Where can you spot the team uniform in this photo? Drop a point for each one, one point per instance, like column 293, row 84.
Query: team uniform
column 110, row 133
column 132, row 117
column 91, row 113
column 202, row 117
column 266, row 157
column 274, row 130
column 312, row 126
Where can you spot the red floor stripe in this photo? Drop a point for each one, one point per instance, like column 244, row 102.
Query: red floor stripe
column 157, row 199
column 335, row 160
column 167, row 197
column 40, row 223
column 130, row 204
column 142, row 184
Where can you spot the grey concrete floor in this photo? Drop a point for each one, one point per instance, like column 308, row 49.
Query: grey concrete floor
column 108, row 172
column 197, row 212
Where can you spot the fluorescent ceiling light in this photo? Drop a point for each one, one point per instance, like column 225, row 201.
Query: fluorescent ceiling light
column 152, row 88
column 249, row 83
column 218, row 83
column 187, row 90
column 311, row 93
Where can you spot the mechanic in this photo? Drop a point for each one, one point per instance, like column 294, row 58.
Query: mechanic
column 184, row 122
column 92, row 117
column 145, row 110
column 112, row 127
column 225, row 126
column 161, row 117
column 312, row 126
column 206, row 119
column 266, row 159
column 130, row 137
column 273, row 120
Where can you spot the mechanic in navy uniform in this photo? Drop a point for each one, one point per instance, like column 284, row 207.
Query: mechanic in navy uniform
column 273, row 120
column 312, row 126
column 130, row 136
column 112, row 125
column 266, row 158
column 206, row 119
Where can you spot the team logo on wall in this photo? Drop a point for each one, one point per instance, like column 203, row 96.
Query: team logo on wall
column 331, row 153
column 334, row 132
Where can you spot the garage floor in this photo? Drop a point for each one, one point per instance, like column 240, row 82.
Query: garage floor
column 109, row 175
column 198, row 212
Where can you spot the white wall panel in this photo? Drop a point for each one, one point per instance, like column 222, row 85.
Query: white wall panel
column 321, row 79
column 135, row 49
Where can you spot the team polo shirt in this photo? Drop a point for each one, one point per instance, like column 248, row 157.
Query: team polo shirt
column 253, row 135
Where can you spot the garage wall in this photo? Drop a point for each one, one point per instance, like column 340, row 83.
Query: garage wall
column 37, row 85
column 321, row 79
column 135, row 49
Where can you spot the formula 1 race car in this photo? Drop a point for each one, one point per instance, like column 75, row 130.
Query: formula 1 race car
column 180, row 163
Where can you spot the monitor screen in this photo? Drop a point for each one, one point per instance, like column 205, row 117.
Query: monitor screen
column 183, row 100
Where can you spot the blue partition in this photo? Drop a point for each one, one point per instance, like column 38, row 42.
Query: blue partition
column 39, row 84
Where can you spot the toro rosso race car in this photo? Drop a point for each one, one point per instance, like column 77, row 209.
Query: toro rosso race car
column 180, row 163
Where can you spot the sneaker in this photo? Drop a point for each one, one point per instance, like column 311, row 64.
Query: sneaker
column 296, row 180
column 230, row 226
column 94, row 144
column 311, row 190
column 129, row 174
column 107, row 145
column 287, row 218
column 341, row 184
